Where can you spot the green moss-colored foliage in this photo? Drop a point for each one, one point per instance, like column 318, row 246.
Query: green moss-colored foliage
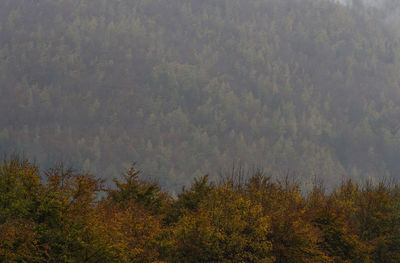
column 226, row 227
column 48, row 222
column 59, row 216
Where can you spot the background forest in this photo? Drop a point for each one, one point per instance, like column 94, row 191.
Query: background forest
column 188, row 87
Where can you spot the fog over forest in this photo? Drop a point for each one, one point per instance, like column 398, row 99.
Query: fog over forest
column 147, row 131
column 389, row 12
column 186, row 88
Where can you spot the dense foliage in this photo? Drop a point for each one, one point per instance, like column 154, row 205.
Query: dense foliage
column 66, row 216
column 185, row 87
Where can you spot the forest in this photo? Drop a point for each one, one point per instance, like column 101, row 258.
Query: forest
column 186, row 88
column 200, row 131
column 68, row 216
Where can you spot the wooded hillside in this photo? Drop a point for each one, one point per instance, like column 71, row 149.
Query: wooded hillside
column 188, row 87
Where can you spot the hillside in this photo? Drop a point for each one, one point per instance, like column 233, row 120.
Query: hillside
column 188, row 87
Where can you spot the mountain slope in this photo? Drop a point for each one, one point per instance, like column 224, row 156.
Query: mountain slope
column 187, row 87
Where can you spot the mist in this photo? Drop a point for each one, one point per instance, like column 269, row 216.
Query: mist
column 187, row 88
column 388, row 10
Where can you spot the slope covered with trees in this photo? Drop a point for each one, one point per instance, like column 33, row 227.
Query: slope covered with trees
column 185, row 87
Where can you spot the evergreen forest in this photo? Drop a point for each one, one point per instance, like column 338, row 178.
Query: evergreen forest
column 188, row 87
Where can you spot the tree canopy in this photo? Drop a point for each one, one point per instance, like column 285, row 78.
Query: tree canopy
column 63, row 215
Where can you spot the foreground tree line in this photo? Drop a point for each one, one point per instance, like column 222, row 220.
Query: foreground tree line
column 67, row 216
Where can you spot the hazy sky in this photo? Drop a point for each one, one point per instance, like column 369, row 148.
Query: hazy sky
column 391, row 10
